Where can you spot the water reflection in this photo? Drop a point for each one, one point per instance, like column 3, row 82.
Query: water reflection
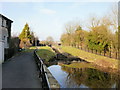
column 83, row 77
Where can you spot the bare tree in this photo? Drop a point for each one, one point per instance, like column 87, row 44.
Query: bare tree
column 71, row 26
column 106, row 21
column 94, row 22
column 114, row 17
column 49, row 40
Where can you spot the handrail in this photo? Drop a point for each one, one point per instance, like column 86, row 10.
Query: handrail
column 42, row 74
column 45, row 74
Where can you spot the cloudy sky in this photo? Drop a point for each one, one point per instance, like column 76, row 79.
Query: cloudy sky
column 49, row 18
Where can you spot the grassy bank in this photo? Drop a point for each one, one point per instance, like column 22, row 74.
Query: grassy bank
column 30, row 49
column 79, row 65
column 90, row 57
column 45, row 53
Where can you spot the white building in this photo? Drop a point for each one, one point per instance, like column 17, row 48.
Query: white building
column 5, row 35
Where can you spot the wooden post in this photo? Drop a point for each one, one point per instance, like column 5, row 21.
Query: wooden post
column 104, row 52
column 116, row 55
column 100, row 52
column 110, row 52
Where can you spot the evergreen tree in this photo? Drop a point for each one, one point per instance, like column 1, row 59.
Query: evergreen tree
column 25, row 37
column 25, row 34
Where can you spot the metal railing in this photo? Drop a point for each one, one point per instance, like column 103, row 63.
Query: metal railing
column 48, row 81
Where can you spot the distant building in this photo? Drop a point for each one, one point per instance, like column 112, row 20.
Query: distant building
column 5, row 35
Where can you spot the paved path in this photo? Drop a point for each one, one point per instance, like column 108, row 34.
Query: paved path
column 20, row 72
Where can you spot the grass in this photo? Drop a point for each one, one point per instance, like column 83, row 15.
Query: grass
column 90, row 57
column 45, row 53
column 80, row 65
column 34, row 47
column 30, row 49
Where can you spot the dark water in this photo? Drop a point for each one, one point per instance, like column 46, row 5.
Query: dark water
column 83, row 78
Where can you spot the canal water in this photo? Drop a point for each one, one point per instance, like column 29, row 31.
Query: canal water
column 83, row 77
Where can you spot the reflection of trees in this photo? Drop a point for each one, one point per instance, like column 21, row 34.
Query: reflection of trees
column 75, row 76
column 89, row 77
column 97, row 79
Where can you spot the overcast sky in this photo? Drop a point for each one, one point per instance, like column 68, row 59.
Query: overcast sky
column 49, row 18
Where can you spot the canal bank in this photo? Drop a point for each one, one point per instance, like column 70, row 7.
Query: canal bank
column 98, row 60
column 74, row 72
column 48, row 80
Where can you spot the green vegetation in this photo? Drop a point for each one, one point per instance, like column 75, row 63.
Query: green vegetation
column 27, row 37
column 97, row 59
column 25, row 33
column 30, row 49
column 34, row 47
column 45, row 53
column 101, row 36
column 80, row 65
column 99, row 39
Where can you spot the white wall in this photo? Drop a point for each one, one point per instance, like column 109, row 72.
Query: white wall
column 5, row 37
column 1, row 52
column 0, row 28
column 4, row 33
column 1, row 43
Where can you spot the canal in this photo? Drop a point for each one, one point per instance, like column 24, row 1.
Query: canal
column 83, row 77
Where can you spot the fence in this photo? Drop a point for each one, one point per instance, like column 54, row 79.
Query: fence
column 48, row 81
column 110, row 54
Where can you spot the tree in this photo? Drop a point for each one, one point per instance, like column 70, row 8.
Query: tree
column 99, row 38
column 32, row 37
column 94, row 22
column 25, row 33
column 64, row 39
column 24, row 43
column 70, row 27
column 79, row 28
column 49, row 40
column 25, row 37
column 69, row 38
column 114, row 42
column 79, row 36
column 114, row 17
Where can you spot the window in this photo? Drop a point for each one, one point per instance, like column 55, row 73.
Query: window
column 4, row 38
column 3, row 23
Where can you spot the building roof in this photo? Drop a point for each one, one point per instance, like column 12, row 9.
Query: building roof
column 6, row 18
